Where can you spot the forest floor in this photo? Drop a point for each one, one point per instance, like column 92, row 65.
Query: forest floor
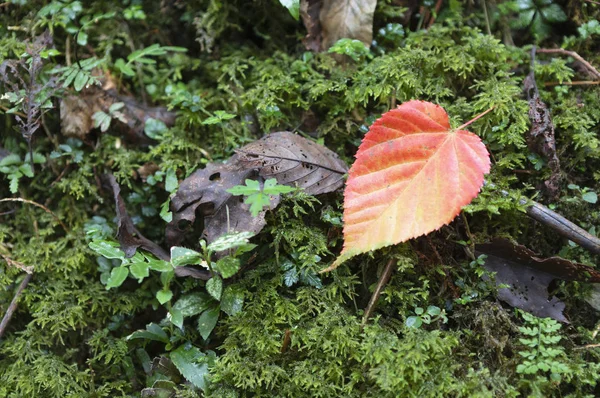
column 185, row 210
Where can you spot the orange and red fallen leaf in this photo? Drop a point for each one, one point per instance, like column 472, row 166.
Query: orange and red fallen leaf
column 412, row 175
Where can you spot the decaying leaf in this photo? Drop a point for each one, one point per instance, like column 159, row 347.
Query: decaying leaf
column 131, row 239
column 557, row 266
column 352, row 19
column 541, row 136
column 294, row 160
column 76, row 113
column 309, row 12
column 204, row 194
column 411, row 176
column 529, row 277
column 129, row 236
column 291, row 159
column 528, row 288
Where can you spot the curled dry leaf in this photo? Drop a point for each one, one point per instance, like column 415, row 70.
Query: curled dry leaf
column 130, row 238
column 352, row 19
column 289, row 158
column 412, row 175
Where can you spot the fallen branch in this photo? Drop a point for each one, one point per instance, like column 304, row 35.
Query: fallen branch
column 573, row 54
column 13, row 304
column 563, row 226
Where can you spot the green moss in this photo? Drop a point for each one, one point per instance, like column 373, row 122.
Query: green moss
column 68, row 337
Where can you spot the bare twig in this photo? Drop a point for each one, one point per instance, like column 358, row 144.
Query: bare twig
column 470, row 249
column 17, row 264
column 13, row 304
column 573, row 54
column 593, row 2
column 487, row 18
column 575, row 83
column 383, row 280
column 31, row 202
column 587, row 346
column 476, row 118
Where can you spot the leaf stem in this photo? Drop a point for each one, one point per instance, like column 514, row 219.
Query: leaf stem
column 475, row 118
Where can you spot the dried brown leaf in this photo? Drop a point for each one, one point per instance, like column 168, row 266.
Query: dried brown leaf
column 352, row 19
column 295, row 161
column 202, row 201
column 309, row 12
column 76, row 113
column 204, row 194
column 529, row 276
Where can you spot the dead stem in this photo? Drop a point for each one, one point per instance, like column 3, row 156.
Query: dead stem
column 31, row 202
column 573, row 54
column 562, row 226
column 470, row 249
column 383, row 280
column 575, row 83
column 13, row 304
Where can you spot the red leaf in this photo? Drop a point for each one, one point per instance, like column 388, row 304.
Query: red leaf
column 412, row 175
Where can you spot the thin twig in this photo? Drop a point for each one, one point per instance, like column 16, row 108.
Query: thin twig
column 287, row 339
column 13, row 304
column 573, row 54
column 4, row 108
column 434, row 14
column 17, row 264
column 476, row 118
column 593, row 2
column 31, row 202
column 587, row 346
column 575, row 83
column 471, row 247
column 487, row 18
column 383, row 280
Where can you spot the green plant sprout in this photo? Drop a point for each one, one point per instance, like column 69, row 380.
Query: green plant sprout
column 355, row 49
column 542, row 352
column 142, row 57
column 15, row 168
column 588, row 195
column 428, row 316
column 102, row 119
column 258, row 198
column 218, row 118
